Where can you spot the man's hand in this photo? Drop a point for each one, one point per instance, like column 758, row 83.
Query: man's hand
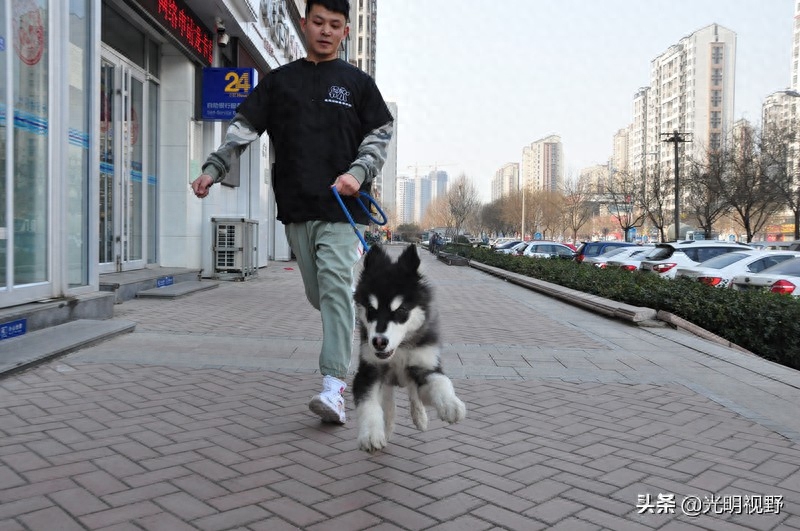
column 202, row 185
column 347, row 185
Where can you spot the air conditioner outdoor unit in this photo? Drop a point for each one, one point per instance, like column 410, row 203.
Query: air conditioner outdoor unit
column 235, row 248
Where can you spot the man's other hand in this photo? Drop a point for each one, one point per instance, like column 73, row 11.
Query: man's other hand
column 202, row 185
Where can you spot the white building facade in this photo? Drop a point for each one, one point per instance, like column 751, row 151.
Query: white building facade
column 102, row 130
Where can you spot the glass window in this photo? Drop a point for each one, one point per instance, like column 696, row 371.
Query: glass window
column 3, row 157
column 77, row 179
column 31, row 183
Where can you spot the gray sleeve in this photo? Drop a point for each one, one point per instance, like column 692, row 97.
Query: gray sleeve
column 238, row 136
column 372, row 153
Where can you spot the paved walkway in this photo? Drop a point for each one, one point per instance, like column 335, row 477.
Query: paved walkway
column 198, row 420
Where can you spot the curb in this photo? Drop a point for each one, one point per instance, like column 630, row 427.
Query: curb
column 625, row 312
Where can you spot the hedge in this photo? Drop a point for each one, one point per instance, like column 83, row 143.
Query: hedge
column 767, row 324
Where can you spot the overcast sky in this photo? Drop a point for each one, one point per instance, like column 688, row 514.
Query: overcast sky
column 477, row 80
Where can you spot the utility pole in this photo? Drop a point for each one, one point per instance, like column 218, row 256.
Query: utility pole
column 675, row 137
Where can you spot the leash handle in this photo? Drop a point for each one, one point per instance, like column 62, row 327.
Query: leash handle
column 372, row 202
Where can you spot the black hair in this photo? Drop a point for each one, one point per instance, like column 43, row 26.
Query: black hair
column 337, row 6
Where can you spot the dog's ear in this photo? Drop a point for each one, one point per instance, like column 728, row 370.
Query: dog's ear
column 409, row 258
column 375, row 257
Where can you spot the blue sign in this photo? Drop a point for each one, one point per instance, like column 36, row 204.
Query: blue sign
column 2, row 44
column 13, row 329
column 224, row 89
column 537, row 236
column 164, row 281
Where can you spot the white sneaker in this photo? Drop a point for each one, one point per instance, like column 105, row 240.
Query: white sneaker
column 329, row 404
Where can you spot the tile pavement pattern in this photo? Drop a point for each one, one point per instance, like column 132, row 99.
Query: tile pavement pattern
column 167, row 429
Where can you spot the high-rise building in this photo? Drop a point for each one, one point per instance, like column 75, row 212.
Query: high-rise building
column 406, row 188
column 439, row 182
column 422, row 196
column 386, row 186
column 363, row 34
column 543, row 164
column 691, row 91
column 505, row 181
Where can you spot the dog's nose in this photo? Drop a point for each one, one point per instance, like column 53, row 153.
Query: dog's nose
column 380, row 342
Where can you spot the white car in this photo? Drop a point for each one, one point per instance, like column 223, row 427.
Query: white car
column 541, row 249
column 515, row 249
column 782, row 278
column 719, row 270
column 619, row 254
column 666, row 258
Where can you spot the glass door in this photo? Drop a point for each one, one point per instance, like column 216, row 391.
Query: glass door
column 123, row 198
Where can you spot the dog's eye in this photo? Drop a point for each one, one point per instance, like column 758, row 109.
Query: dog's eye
column 401, row 314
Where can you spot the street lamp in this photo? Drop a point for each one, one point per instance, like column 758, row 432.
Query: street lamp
column 676, row 138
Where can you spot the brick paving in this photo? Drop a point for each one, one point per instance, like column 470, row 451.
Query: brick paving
column 199, row 420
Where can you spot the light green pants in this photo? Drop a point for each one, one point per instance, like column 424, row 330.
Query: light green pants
column 326, row 253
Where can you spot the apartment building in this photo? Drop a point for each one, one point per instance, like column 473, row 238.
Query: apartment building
column 406, row 193
column 691, row 91
column 363, row 34
column 505, row 180
column 543, row 164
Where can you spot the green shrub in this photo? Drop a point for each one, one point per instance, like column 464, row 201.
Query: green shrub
column 767, row 324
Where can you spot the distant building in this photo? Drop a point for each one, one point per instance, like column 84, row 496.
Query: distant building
column 543, row 164
column 505, row 180
column 691, row 91
column 406, row 193
column 387, row 179
column 363, row 34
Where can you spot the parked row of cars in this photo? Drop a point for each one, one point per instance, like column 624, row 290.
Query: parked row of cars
column 719, row 264
column 715, row 263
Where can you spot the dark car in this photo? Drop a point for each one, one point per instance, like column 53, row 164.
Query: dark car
column 588, row 249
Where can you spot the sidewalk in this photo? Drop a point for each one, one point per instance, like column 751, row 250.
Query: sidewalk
column 198, row 420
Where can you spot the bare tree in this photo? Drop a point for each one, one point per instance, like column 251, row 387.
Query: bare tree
column 578, row 208
column 705, row 200
column 462, row 201
column 437, row 214
column 624, row 197
column 754, row 160
column 552, row 205
column 786, row 178
column 657, row 187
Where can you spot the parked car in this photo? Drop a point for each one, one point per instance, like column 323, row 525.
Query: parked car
column 506, row 245
column 543, row 249
column 782, row 278
column 785, row 245
column 618, row 253
column 719, row 271
column 666, row 258
column 497, row 243
column 512, row 248
column 587, row 249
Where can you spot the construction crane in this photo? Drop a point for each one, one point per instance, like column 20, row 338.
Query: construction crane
column 435, row 167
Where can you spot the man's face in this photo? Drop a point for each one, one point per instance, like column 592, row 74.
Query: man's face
column 324, row 31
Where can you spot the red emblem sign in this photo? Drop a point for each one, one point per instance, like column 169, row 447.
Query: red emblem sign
column 28, row 31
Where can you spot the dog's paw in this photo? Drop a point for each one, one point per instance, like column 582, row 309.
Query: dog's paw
column 452, row 409
column 372, row 441
column 419, row 415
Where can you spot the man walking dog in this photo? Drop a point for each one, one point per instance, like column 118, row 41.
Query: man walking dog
column 330, row 127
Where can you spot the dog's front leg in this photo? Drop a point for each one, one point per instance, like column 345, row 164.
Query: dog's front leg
column 417, row 408
column 371, row 431
column 438, row 392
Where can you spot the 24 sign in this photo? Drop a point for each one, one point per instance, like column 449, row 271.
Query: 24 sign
column 224, row 89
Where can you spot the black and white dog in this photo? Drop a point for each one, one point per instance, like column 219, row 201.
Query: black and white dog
column 399, row 348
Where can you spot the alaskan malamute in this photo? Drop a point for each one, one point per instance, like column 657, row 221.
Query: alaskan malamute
column 399, row 348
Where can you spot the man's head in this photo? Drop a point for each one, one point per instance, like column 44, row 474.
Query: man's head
column 325, row 27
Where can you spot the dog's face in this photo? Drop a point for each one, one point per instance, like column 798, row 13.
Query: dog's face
column 392, row 301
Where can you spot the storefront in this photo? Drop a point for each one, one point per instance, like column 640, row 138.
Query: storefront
column 100, row 135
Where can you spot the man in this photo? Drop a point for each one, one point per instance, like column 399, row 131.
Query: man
column 330, row 127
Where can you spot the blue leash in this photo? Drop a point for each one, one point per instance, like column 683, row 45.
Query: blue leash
column 364, row 207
